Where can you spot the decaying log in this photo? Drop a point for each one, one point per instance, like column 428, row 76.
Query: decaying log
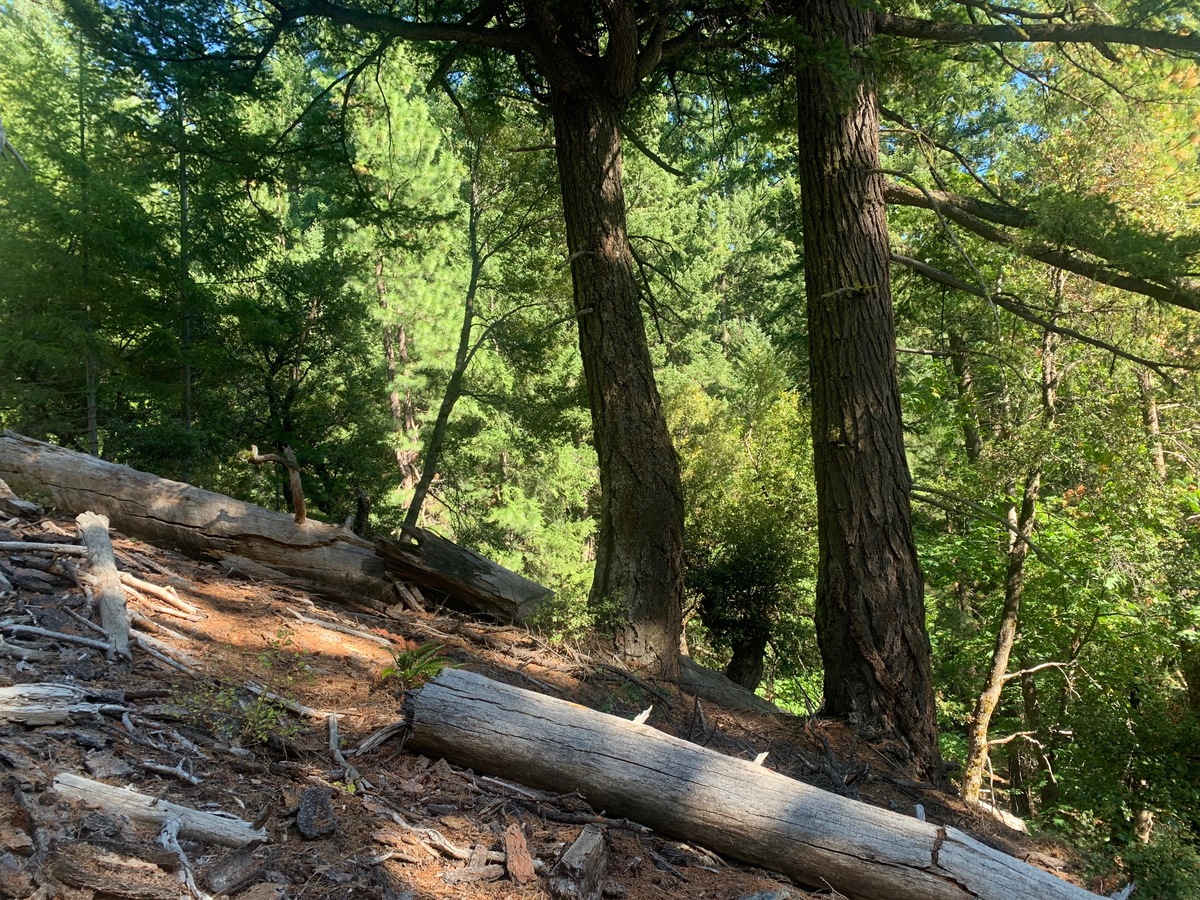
column 195, row 521
column 12, row 505
column 194, row 824
column 728, row 805
column 714, row 687
column 435, row 562
column 110, row 596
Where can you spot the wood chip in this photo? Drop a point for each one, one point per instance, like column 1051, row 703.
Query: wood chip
column 517, row 858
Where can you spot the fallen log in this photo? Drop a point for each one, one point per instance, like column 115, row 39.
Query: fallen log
column 195, row 521
column 435, row 562
column 729, row 805
column 204, row 523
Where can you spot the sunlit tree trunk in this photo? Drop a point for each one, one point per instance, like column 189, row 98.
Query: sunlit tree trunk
column 638, row 584
column 870, row 610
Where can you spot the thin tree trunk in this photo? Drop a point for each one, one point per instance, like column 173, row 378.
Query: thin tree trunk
column 462, row 356
column 85, row 263
column 967, row 405
column 1150, row 421
column 638, row 584
column 185, row 292
column 395, row 354
column 1014, row 582
column 870, row 609
column 1006, row 635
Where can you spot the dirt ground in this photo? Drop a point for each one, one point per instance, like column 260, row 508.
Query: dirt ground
column 185, row 725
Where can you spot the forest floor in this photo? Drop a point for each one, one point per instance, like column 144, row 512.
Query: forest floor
column 396, row 825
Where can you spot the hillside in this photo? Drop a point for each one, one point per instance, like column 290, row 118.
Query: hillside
column 185, row 725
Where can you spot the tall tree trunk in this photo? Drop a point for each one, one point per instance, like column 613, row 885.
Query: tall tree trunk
column 185, row 290
column 85, row 266
column 462, row 356
column 870, row 609
column 968, row 408
column 638, row 585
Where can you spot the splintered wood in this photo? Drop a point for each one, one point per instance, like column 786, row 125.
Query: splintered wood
column 195, row 824
column 110, row 595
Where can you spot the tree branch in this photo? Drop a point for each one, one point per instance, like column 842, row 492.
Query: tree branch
column 1021, row 311
column 650, row 154
column 464, row 31
column 1036, row 32
column 978, row 216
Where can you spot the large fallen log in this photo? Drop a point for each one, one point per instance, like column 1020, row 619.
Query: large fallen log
column 729, row 805
column 192, row 520
column 205, row 523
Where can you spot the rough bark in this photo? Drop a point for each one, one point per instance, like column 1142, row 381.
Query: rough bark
column 638, row 584
column 870, row 610
column 729, row 805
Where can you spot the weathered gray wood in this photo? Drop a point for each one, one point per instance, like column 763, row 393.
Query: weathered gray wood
column 435, row 562
column 204, row 523
column 45, row 704
column 193, row 823
column 195, row 521
column 728, row 805
column 579, row 873
column 714, row 687
column 110, row 596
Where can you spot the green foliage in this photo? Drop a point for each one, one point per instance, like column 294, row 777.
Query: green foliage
column 219, row 710
column 1166, row 868
column 751, row 547
column 412, row 668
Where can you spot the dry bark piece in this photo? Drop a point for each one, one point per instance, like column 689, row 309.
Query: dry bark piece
column 728, row 805
column 579, row 873
column 15, row 878
column 473, row 875
column 238, row 869
column 82, row 865
column 516, row 855
column 315, row 816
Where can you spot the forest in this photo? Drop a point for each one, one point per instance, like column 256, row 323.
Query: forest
column 851, row 346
